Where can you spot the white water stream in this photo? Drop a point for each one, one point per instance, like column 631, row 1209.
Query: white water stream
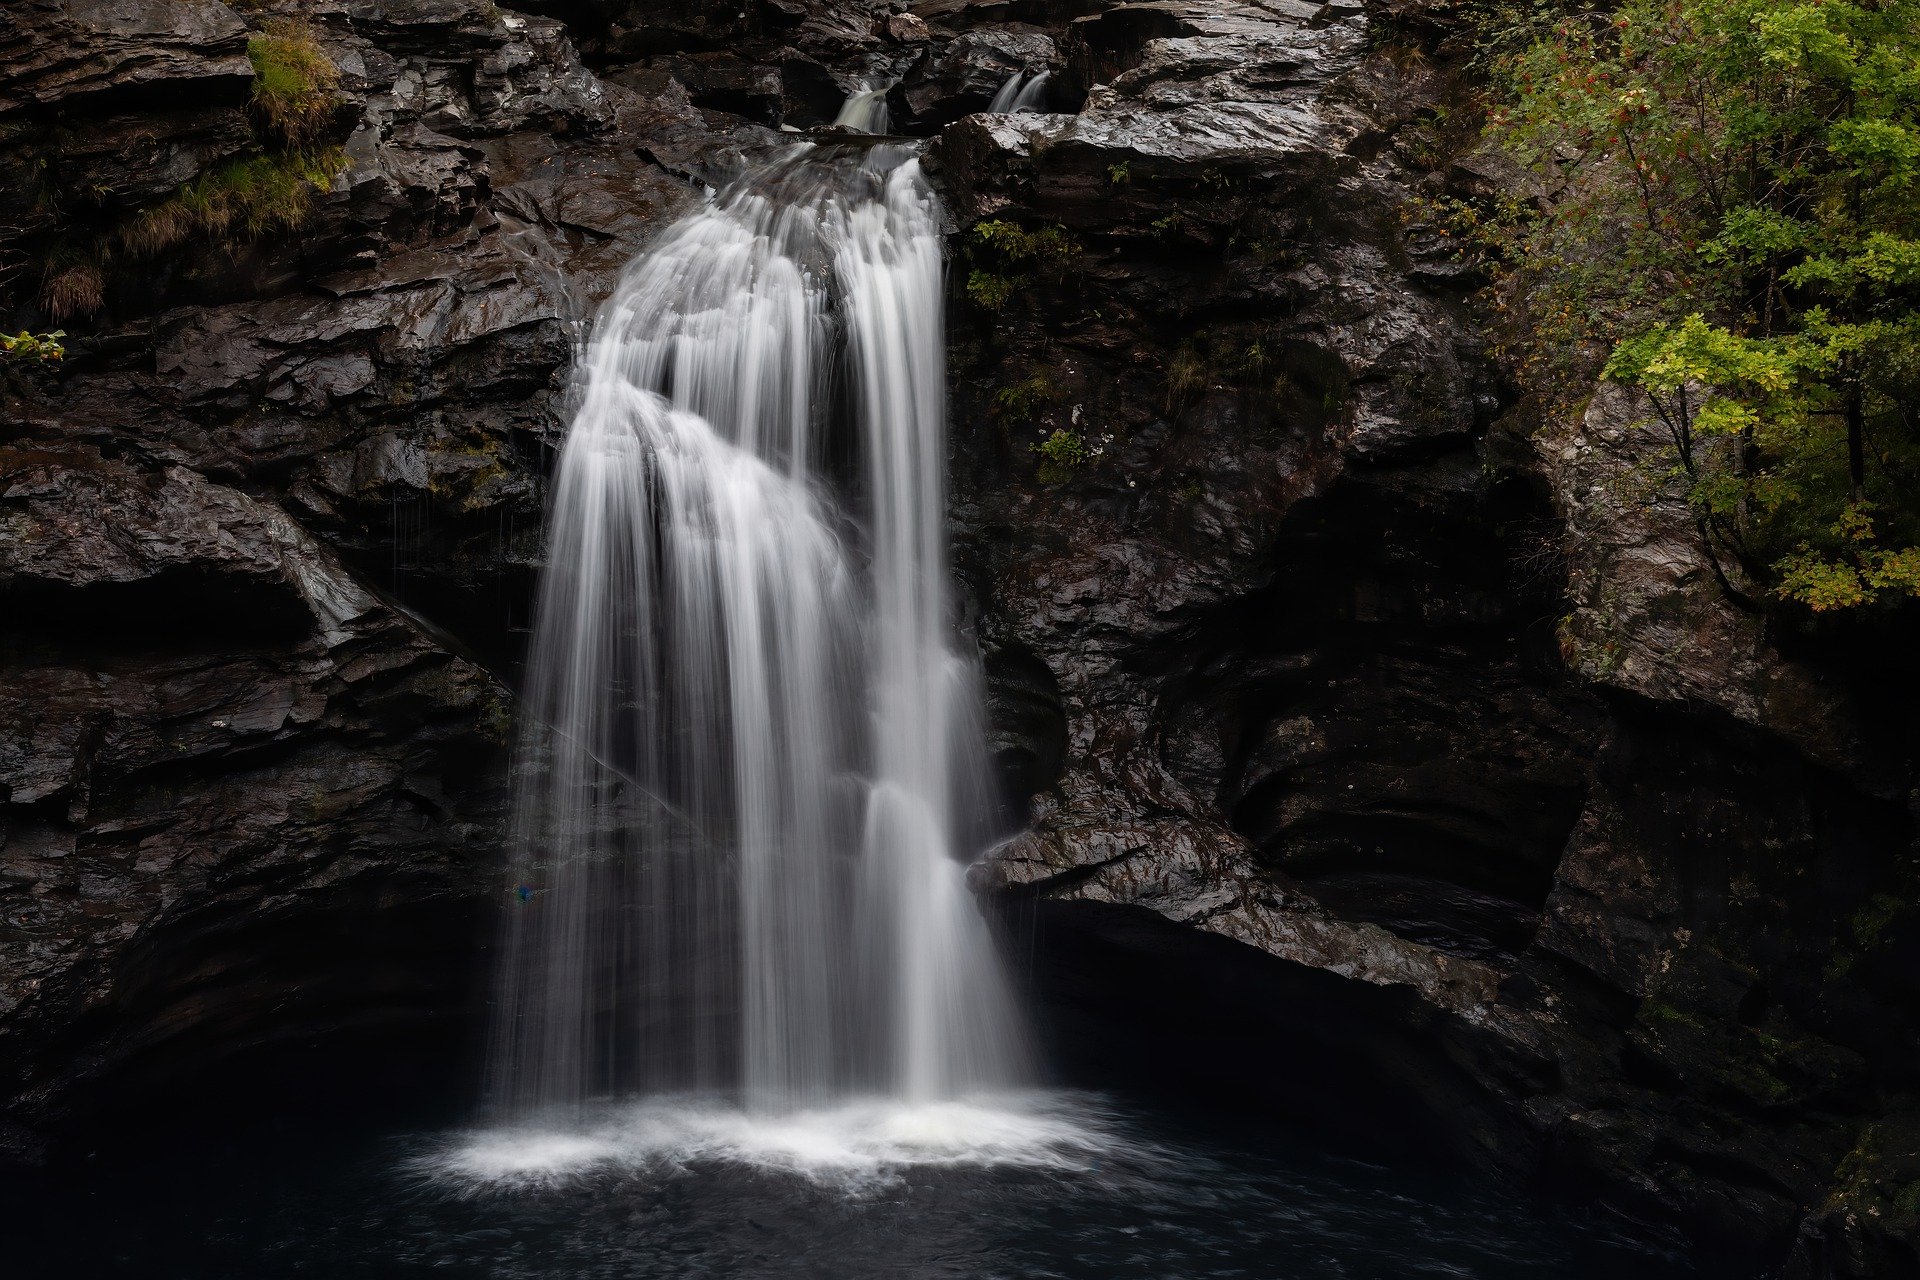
column 1020, row 92
column 751, row 752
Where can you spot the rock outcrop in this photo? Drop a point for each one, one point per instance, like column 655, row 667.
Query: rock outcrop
column 270, row 527
column 1341, row 658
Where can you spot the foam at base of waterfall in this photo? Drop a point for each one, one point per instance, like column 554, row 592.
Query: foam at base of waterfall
column 855, row 1146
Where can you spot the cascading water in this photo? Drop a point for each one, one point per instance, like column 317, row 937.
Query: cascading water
column 1020, row 93
column 1008, row 92
column 865, row 111
column 749, row 748
column 1033, row 94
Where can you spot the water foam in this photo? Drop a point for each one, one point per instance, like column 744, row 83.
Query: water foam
column 854, row 1147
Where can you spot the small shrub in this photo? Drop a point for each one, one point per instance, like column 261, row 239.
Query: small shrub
column 1026, row 399
column 991, row 291
column 1061, row 454
column 293, row 83
column 1007, row 256
column 1064, row 448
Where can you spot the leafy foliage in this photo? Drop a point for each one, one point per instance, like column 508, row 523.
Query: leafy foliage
column 1728, row 217
column 1049, row 245
column 1008, row 257
column 1026, row 399
column 42, row 347
column 1063, row 448
column 990, row 290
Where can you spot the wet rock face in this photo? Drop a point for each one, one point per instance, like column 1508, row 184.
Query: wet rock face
column 1165, row 387
column 1652, row 613
column 962, row 75
column 267, row 535
column 1344, row 666
column 215, row 738
column 78, row 52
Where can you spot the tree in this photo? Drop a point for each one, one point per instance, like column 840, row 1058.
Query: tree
column 1733, row 214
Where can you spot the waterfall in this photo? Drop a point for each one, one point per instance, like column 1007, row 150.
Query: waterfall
column 751, row 757
column 1018, row 93
column 1032, row 95
column 864, row 111
column 1004, row 97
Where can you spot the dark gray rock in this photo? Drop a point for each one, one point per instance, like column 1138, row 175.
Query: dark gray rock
column 962, row 76
column 253, row 526
column 1650, row 613
column 1326, row 651
column 214, row 736
column 76, row 55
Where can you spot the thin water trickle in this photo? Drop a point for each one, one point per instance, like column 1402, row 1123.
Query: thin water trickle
column 1009, row 91
column 1019, row 92
column 1033, row 94
column 751, row 750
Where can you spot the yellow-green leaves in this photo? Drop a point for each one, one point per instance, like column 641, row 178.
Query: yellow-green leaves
column 44, row 347
column 1879, row 262
column 1803, row 37
column 1671, row 357
column 1877, row 150
column 1857, row 572
column 1749, row 236
column 1733, row 214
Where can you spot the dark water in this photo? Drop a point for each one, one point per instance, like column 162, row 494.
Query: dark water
column 1105, row 1191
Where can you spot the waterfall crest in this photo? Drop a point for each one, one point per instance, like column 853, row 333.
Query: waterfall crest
column 749, row 749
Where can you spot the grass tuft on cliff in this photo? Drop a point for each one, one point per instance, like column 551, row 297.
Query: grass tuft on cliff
column 294, row 106
column 72, row 285
column 293, row 83
column 243, row 198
